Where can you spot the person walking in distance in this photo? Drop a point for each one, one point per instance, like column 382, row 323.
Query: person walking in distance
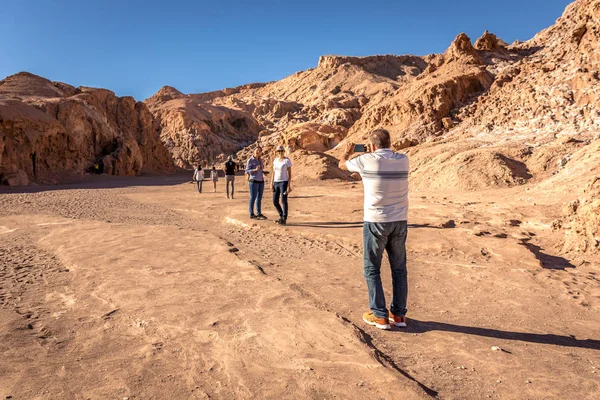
column 385, row 181
column 256, row 183
column 282, row 183
column 214, row 177
column 230, row 167
column 198, row 176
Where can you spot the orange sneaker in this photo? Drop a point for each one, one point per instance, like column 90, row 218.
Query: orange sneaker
column 380, row 323
column 397, row 320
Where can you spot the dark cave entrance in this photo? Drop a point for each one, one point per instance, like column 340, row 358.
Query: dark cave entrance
column 33, row 157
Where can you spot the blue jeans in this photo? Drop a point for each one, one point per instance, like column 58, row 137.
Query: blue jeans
column 389, row 236
column 280, row 190
column 256, row 193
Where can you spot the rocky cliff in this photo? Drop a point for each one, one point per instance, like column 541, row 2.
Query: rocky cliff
column 52, row 132
column 478, row 116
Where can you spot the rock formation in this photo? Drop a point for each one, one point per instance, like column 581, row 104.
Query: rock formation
column 583, row 216
column 477, row 116
column 195, row 131
column 51, row 132
column 474, row 117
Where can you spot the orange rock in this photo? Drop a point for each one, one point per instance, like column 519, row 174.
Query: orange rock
column 52, row 131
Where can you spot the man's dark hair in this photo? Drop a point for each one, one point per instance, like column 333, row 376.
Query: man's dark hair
column 381, row 139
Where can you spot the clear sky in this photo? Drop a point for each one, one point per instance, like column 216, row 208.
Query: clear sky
column 135, row 47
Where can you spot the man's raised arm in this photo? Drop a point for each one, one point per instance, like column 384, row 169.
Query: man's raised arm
column 348, row 150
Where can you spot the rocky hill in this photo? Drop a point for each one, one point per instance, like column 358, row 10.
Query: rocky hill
column 481, row 115
column 51, row 132
column 487, row 92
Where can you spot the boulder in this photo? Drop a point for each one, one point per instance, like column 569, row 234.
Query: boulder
column 489, row 42
column 462, row 50
column 583, row 233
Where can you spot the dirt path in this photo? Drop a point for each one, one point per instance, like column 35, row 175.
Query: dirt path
column 157, row 291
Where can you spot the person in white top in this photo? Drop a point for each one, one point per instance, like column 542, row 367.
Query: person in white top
column 198, row 176
column 384, row 175
column 282, row 184
column 214, row 176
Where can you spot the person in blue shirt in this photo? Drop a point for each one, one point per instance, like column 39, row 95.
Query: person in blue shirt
column 256, row 183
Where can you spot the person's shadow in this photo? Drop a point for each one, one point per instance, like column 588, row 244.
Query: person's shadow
column 328, row 224
column 356, row 224
column 547, row 261
column 416, row 326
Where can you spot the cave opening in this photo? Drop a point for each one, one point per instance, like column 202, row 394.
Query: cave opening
column 33, row 163
column 239, row 123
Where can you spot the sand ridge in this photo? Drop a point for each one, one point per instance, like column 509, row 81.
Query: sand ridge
column 163, row 291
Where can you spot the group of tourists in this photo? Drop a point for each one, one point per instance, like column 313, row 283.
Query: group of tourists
column 384, row 176
column 255, row 173
column 199, row 176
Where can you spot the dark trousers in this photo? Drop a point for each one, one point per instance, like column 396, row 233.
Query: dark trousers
column 200, row 186
column 256, row 193
column 280, row 190
column 230, row 179
column 391, row 237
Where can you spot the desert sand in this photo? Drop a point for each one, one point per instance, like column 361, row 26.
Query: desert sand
column 140, row 288
column 131, row 285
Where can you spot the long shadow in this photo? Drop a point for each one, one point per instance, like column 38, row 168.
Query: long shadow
column 424, row 226
column 416, row 326
column 105, row 182
column 328, row 225
column 306, row 197
column 357, row 224
column 548, row 261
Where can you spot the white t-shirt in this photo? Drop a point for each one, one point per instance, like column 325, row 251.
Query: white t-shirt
column 280, row 169
column 385, row 181
column 198, row 174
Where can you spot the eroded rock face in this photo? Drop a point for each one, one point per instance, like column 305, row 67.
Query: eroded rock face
column 52, row 131
column 313, row 137
column 462, row 50
column 419, row 108
column 583, row 214
column 554, row 88
column 489, row 42
column 198, row 132
column 491, row 91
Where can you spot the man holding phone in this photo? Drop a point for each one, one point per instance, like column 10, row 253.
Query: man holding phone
column 385, row 181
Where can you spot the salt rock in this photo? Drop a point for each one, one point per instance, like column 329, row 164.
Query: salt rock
column 583, row 234
column 488, row 42
column 51, row 131
column 447, row 123
column 18, row 178
column 462, row 49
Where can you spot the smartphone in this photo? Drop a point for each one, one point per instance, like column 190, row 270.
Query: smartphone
column 360, row 148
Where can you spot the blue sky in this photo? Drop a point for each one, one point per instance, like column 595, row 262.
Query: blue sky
column 135, row 47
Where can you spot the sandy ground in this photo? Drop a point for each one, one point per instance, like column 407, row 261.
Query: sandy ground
column 141, row 288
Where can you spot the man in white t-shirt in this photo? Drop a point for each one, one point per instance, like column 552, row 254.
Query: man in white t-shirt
column 282, row 183
column 385, row 180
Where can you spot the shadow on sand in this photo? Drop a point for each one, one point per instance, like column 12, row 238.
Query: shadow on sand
column 107, row 182
column 416, row 326
column 546, row 260
column 332, row 224
column 356, row 224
